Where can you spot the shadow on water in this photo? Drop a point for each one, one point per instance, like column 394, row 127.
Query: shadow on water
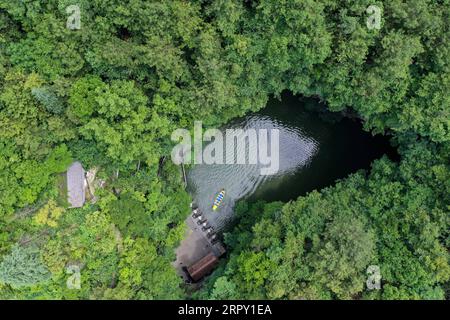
column 316, row 148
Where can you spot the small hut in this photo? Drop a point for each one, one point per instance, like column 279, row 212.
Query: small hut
column 203, row 267
column 76, row 185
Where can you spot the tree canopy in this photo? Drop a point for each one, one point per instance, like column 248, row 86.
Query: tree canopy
column 111, row 92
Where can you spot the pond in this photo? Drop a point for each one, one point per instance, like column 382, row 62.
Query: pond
column 316, row 148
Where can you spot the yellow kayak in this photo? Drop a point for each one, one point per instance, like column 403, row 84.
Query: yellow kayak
column 218, row 200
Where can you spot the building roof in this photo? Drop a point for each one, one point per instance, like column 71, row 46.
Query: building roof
column 202, row 267
column 75, row 185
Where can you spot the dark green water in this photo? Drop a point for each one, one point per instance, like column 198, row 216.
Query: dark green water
column 316, row 149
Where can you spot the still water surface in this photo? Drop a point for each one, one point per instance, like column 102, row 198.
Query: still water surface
column 315, row 149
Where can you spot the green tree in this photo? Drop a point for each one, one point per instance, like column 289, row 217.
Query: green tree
column 23, row 267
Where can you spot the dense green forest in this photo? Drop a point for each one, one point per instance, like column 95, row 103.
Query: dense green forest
column 111, row 92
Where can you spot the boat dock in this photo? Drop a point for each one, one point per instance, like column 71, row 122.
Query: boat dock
column 201, row 241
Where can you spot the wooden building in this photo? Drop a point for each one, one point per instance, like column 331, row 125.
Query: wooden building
column 203, row 267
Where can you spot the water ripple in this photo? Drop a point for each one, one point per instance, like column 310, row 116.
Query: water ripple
column 242, row 180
